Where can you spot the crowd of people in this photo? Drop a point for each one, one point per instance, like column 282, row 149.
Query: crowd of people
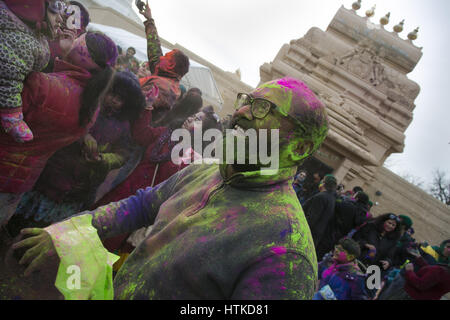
column 86, row 144
column 348, row 240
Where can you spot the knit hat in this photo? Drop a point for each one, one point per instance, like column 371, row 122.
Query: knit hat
column 330, row 182
column 440, row 250
column 34, row 11
column 174, row 64
column 362, row 197
column 28, row 10
column 102, row 49
column 406, row 221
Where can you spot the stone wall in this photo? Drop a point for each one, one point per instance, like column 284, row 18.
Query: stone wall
column 431, row 217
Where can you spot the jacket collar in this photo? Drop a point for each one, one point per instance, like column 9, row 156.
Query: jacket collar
column 73, row 71
column 255, row 180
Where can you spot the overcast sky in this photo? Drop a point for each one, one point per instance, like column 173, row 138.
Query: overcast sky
column 245, row 34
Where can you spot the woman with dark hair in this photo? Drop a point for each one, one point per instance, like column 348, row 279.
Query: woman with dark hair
column 156, row 164
column 182, row 109
column 60, row 107
column 25, row 26
column 72, row 175
column 378, row 239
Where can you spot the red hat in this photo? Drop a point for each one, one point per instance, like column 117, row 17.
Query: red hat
column 28, row 10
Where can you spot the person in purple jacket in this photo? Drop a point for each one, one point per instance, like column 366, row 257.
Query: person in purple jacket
column 339, row 275
column 220, row 231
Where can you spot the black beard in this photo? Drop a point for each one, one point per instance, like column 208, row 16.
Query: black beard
column 245, row 167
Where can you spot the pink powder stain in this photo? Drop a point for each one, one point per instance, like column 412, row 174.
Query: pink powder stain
column 203, row 239
column 254, row 283
column 126, row 213
column 279, row 250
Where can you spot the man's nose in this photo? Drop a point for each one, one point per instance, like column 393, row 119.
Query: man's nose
column 245, row 112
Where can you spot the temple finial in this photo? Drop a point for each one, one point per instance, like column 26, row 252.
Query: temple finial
column 385, row 20
column 413, row 35
column 356, row 5
column 371, row 12
column 399, row 27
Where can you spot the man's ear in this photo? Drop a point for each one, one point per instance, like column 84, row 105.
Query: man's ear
column 303, row 147
column 351, row 257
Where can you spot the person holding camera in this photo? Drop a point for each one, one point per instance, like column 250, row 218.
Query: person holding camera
column 167, row 70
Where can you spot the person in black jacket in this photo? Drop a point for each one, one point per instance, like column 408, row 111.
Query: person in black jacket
column 312, row 186
column 378, row 239
column 348, row 215
column 319, row 211
column 351, row 214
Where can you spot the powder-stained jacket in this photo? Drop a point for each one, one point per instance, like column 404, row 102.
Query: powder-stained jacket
column 346, row 280
column 244, row 237
column 21, row 52
column 51, row 104
column 431, row 282
column 163, row 75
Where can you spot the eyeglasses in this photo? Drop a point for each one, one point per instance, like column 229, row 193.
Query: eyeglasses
column 57, row 6
column 260, row 107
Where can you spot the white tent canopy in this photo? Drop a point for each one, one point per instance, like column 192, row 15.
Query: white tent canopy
column 199, row 76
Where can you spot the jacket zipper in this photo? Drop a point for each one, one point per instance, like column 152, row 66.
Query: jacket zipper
column 214, row 191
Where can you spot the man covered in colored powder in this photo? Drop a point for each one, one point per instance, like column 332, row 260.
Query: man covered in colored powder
column 220, row 231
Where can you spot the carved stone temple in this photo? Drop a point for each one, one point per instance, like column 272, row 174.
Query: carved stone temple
column 360, row 72
column 359, row 69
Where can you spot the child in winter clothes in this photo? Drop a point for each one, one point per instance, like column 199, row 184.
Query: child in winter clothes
column 61, row 107
column 24, row 28
column 339, row 274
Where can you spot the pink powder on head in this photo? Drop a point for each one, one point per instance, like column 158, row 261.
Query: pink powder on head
column 288, row 83
column 279, row 250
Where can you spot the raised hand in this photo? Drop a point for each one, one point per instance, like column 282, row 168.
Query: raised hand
column 147, row 12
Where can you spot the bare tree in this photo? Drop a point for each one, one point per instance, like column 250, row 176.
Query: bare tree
column 440, row 188
column 417, row 181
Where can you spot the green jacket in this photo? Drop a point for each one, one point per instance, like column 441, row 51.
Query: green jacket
column 240, row 238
